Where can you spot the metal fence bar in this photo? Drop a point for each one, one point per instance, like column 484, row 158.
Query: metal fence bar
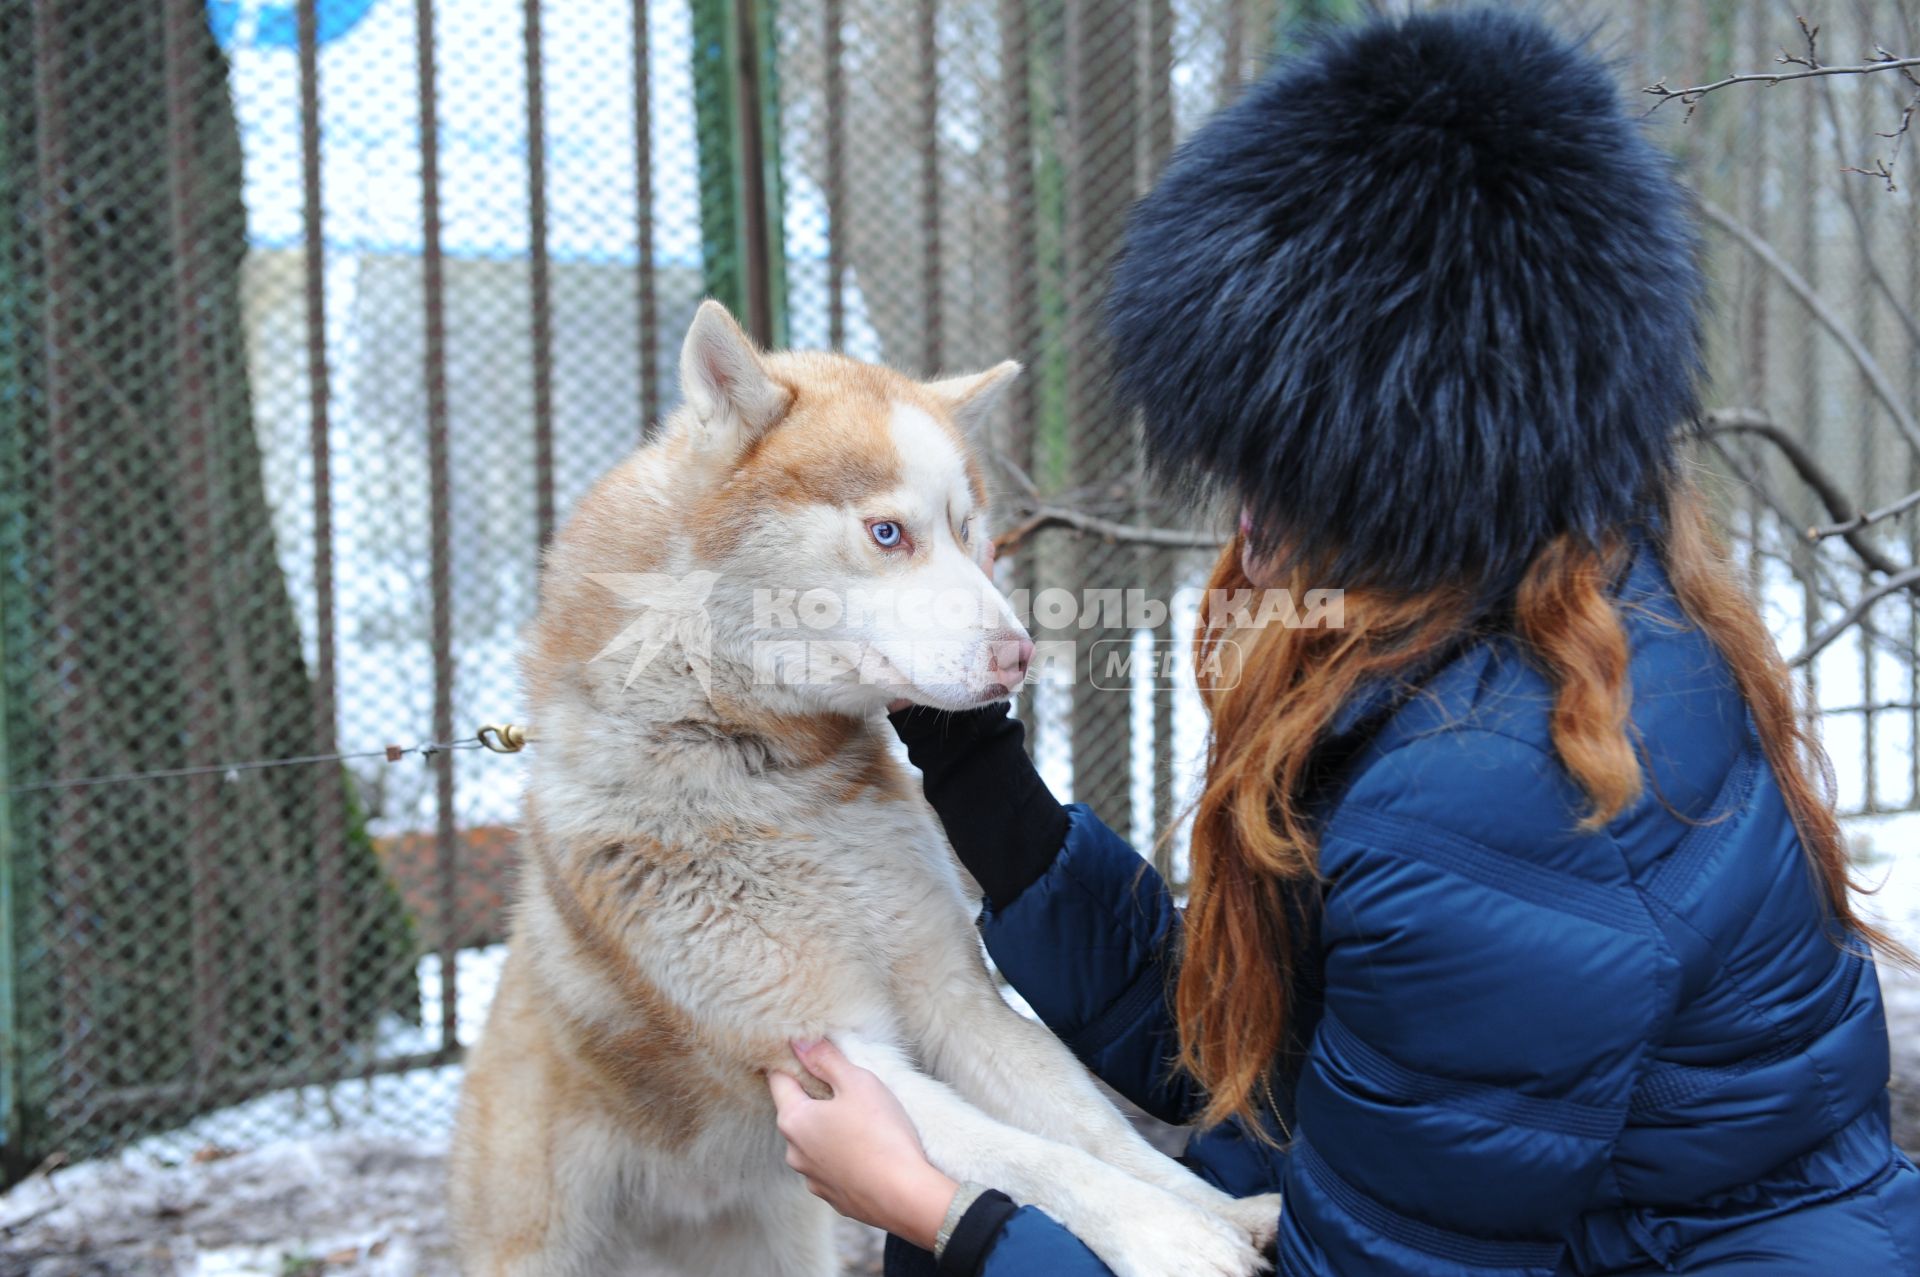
column 835, row 55
column 927, row 27
column 12, row 895
column 68, row 865
column 540, row 268
column 1750, row 284
column 756, row 230
column 440, row 518
column 1023, row 269
column 1102, row 106
column 329, row 797
column 649, row 302
column 197, row 467
column 1910, row 250
column 1159, row 567
column 1807, row 373
column 1908, row 706
column 1866, row 317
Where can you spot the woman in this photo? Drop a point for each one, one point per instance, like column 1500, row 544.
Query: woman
column 1519, row 936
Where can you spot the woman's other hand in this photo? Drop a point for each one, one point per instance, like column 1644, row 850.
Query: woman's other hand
column 858, row 1149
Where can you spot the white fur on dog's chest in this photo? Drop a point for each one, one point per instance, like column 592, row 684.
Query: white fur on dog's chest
column 801, row 920
column 838, row 910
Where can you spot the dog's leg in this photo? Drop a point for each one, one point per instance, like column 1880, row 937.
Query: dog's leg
column 1138, row 1229
column 1021, row 1073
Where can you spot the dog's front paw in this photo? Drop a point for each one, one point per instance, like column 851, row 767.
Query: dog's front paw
column 1258, row 1217
column 1160, row 1236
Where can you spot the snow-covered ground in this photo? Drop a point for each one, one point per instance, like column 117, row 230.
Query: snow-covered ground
column 347, row 1181
column 328, row 1206
column 1889, row 849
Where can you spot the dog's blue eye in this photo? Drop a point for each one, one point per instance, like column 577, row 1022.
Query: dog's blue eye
column 966, row 526
column 885, row 534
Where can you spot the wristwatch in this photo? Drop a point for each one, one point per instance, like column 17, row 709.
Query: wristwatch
column 963, row 1197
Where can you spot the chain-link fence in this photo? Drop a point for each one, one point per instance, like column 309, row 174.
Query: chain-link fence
column 318, row 315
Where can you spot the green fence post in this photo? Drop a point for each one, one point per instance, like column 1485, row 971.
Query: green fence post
column 737, row 126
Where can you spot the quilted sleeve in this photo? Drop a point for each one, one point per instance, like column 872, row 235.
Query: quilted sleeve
column 1024, row 1242
column 1074, row 918
column 1090, row 945
column 1494, row 982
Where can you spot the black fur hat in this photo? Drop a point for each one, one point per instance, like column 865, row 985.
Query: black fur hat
column 1423, row 298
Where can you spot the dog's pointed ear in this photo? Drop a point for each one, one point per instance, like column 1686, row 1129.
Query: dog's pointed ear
column 971, row 398
column 733, row 396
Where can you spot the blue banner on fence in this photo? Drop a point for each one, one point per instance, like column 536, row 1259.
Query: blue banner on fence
column 256, row 24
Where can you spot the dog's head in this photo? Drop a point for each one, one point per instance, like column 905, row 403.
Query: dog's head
column 843, row 514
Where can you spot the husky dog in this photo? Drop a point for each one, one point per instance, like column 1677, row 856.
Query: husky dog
column 722, row 853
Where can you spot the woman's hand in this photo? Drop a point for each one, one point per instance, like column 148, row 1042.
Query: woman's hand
column 859, row 1150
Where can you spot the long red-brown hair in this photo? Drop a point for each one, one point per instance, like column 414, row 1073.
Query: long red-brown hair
column 1254, row 855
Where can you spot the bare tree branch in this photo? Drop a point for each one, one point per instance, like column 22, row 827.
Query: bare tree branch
column 1042, row 517
column 1906, row 580
column 1867, row 520
column 1840, row 507
column 1035, row 514
column 1879, row 170
column 1811, row 68
column 1859, row 218
column 1693, row 93
column 1812, row 570
column 1883, row 389
column 1848, row 526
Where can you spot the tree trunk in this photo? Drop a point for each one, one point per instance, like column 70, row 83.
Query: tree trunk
column 162, row 930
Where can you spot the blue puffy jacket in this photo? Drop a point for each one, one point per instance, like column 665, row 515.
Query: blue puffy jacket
column 1529, row 1049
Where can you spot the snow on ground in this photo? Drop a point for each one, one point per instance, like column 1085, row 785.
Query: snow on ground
column 1889, row 850
column 347, row 1181
column 400, row 1106
column 337, row 1205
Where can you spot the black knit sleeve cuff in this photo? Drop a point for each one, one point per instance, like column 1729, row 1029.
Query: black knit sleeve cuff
column 1004, row 823
column 974, row 1236
column 935, row 735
